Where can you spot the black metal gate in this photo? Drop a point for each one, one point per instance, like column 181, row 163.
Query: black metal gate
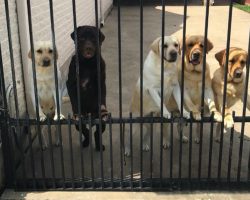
column 69, row 167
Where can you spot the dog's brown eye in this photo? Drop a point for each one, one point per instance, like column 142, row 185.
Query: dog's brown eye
column 176, row 45
column 42, row 107
column 39, row 51
column 201, row 45
column 242, row 62
column 50, row 51
column 190, row 45
column 165, row 46
column 52, row 108
column 231, row 61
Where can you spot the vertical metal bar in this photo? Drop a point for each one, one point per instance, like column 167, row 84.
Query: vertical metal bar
column 99, row 90
column 248, row 176
column 71, row 153
column 57, row 88
column 131, row 150
column 244, row 112
column 111, row 151
column 32, row 163
column 14, row 87
column 182, row 83
column 9, row 158
column 91, row 151
column 120, row 88
column 183, row 54
column 141, row 92
column 180, row 154
column 35, row 90
column 230, row 153
column 190, row 148
column 162, row 86
column 171, row 146
column 51, row 152
column 210, row 146
column 151, row 150
column 225, row 86
column 203, row 87
column 78, row 91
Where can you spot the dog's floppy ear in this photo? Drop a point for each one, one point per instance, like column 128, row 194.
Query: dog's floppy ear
column 155, row 45
column 220, row 57
column 73, row 33
column 101, row 37
column 209, row 45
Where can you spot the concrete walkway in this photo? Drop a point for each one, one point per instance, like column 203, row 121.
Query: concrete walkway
column 130, row 72
column 10, row 195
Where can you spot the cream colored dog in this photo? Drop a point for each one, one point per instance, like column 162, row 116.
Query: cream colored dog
column 152, row 84
column 46, row 90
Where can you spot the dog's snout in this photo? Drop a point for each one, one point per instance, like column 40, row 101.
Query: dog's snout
column 196, row 55
column 173, row 55
column 237, row 73
column 88, row 48
column 46, row 62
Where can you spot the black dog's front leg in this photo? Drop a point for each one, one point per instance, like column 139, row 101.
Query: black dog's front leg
column 97, row 137
column 85, row 132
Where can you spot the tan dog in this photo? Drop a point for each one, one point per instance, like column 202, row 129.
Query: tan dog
column 235, row 83
column 152, row 84
column 193, row 79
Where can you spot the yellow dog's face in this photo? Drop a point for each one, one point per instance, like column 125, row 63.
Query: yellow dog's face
column 194, row 52
column 236, row 63
column 43, row 51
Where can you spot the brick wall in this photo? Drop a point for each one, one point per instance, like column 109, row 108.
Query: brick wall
column 41, row 27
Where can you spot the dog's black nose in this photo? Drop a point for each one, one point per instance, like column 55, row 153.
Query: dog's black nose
column 46, row 62
column 196, row 55
column 173, row 55
column 237, row 73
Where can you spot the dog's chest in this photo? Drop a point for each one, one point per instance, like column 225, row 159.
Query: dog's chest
column 45, row 89
column 234, row 92
column 194, row 91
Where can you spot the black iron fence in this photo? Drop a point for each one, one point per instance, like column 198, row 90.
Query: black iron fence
column 28, row 166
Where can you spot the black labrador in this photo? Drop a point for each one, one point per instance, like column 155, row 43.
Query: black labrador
column 87, row 49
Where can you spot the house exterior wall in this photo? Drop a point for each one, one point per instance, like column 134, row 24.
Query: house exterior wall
column 63, row 18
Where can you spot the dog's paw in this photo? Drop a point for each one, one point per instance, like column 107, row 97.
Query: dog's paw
column 197, row 115
column 42, row 117
column 44, row 147
column 146, row 147
column 166, row 145
column 184, row 139
column 167, row 115
column 57, row 118
column 127, row 152
column 197, row 140
column 228, row 121
column 99, row 149
column 58, row 143
column 217, row 139
column 186, row 114
column 217, row 116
